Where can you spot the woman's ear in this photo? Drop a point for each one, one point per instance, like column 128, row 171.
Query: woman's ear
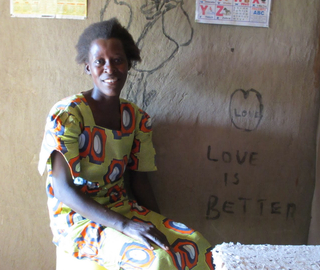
column 87, row 69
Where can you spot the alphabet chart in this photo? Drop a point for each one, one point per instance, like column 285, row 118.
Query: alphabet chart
column 234, row 12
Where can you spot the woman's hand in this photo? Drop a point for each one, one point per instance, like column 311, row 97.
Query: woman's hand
column 145, row 233
column 143, row 194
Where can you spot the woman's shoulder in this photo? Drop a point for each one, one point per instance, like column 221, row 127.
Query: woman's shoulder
column 125, row 101
column 74, row 105
column 70, row 104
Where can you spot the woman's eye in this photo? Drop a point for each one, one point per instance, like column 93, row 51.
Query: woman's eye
column 118, row 60
column 98, row 62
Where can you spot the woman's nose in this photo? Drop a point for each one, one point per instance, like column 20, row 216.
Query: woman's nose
column 108, row 68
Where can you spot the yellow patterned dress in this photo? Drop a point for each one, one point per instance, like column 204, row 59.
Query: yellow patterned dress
column 97, row 158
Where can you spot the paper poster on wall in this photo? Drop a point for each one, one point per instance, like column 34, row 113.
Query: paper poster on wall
column 234, row 12
column 72, row 9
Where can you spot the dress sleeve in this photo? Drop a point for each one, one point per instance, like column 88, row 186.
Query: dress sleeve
column 142, row 157
column 61, row 134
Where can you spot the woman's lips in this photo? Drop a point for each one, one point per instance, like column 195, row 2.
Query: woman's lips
column 108, row 79
column 113, row 80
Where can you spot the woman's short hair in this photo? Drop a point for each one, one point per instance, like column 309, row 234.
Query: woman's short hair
column 105, row 30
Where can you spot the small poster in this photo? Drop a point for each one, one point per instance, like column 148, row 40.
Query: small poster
column 72, row 9
column 234, row 12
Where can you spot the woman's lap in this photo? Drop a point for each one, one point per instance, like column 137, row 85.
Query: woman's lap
column 114, row 250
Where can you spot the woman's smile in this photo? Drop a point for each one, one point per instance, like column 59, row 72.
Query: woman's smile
column 108, row 79
column 108, row 66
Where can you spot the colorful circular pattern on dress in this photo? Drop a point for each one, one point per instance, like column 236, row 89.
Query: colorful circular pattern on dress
column 97, row 144
column 136, row 256
column 177, row 226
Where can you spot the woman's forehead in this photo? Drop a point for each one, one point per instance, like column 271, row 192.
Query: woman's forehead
column 106, row 45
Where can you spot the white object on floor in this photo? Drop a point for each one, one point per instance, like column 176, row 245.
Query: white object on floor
column 230, row 256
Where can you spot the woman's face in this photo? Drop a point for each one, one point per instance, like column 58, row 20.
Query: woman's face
column 108, row 66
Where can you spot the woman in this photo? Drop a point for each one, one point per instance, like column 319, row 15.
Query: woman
column 90, row 140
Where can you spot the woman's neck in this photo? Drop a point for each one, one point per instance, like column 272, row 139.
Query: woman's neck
column 98, row 96
column 105, row 109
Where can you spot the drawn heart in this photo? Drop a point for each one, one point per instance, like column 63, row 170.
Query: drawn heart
column 246, row 109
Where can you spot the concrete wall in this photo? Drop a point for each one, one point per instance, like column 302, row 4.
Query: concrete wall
column 238, row 165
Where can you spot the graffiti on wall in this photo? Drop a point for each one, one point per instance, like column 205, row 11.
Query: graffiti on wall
column 246, row 109
column 246, row 112
column 239, row 157
column 159, row 40
column 216, row 206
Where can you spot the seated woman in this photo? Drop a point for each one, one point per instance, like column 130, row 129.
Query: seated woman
column 91, row 139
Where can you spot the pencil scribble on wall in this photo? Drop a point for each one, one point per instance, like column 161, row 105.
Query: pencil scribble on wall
column 159, row 39
column 246, row 109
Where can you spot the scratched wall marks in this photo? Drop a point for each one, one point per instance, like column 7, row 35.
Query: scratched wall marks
column 246, row 109
column 159, row 40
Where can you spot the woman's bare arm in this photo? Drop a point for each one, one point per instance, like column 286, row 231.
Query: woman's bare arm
column 66, row 192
